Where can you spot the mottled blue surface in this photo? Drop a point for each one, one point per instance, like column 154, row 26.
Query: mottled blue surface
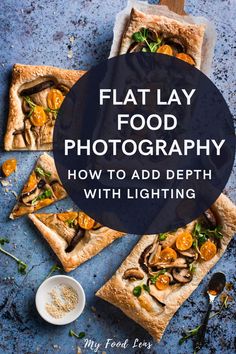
column 38, row 32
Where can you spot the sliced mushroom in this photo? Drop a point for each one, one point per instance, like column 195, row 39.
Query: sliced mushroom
column 170, row 240
column 143, row 258
column 35, row 88
column 28, row 197
column 63, row 88
column 190, row 253
column 159, row 295
column 155, row 255
column 133, row 273
column 176, row 44
column 152, row 35
column 75, row 240
column 182, row 275
column 25, row 107
column 58, row 190
column 210, row 217
column 29, row 135
column 178, row 263
column 136, row 47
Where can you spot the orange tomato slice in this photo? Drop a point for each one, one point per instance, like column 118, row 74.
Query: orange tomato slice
column 185, row 57
column 208, row 250
column 162, row 282
column 165, row 49
column 70, row 215
column 168, row 254
column 54, row 99
column 31, row 184
column 43, row 203
column 38, row 117
column 9, row 166
column 184, row 241
column 85, row 221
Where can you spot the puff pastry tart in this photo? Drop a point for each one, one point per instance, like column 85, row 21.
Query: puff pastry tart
column 163, row 270
column 73, row 236
column 36, row 95
column 42, row 188
column 160, row 34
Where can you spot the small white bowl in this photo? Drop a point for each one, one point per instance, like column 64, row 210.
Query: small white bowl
column 43, row 297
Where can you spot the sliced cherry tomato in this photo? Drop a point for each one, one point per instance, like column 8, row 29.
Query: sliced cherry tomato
column 85, row 221
column 54, row 99
column 9, row 166
column 70, row 215
column 185, row 57
column 165, row 49
column 208, row 250
column 162, row 282
column 184, row 241
column 31, row 184
column 43, row 203
column 168, row 254
column 38, row 117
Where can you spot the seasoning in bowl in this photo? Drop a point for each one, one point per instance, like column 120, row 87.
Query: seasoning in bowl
column 60, row 299
column 64, row 299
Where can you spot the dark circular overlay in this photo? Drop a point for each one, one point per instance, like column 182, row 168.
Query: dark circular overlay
column 133, row 192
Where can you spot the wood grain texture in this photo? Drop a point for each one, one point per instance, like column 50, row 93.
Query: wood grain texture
column 174, row 5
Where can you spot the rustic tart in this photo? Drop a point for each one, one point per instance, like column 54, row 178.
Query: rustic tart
column 164, row 269
column 36, row 94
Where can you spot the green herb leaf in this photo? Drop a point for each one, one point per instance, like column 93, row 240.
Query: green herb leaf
column 70, row 222
column 146, row 288
column 41, row 172
column 162, row 237
column 78, row 336
column 3, row 241
column 21, row 265
column 189, row 334
column 140, row 36
column 153, row 47
column 137, row 291
column 46, row 194
column 192, row 267
column 30, row 102
column 202, row 234
column 53, row 269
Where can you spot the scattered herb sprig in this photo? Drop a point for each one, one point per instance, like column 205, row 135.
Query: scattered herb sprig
column 193, row 332
column 3, row 241
column 46, row 194
column 53, row 269
column 137, row 291
column 202, row 234
column 22, row 266
column 162, row 237
column 41, row 172
column 142, row 36
column 80, row 335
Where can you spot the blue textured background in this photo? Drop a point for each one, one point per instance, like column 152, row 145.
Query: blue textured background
column 38, row 32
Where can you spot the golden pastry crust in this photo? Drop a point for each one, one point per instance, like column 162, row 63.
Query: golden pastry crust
column 146, row 311
column 92, row 243
column 191, row 34
column 52, row 182
column 24, row 75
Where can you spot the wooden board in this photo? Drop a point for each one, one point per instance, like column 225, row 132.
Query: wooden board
column 174, row 5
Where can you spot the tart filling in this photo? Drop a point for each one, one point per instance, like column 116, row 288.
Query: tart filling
column 74, row 236
column 163, row 270
column 36, row 95
column 42, row 188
